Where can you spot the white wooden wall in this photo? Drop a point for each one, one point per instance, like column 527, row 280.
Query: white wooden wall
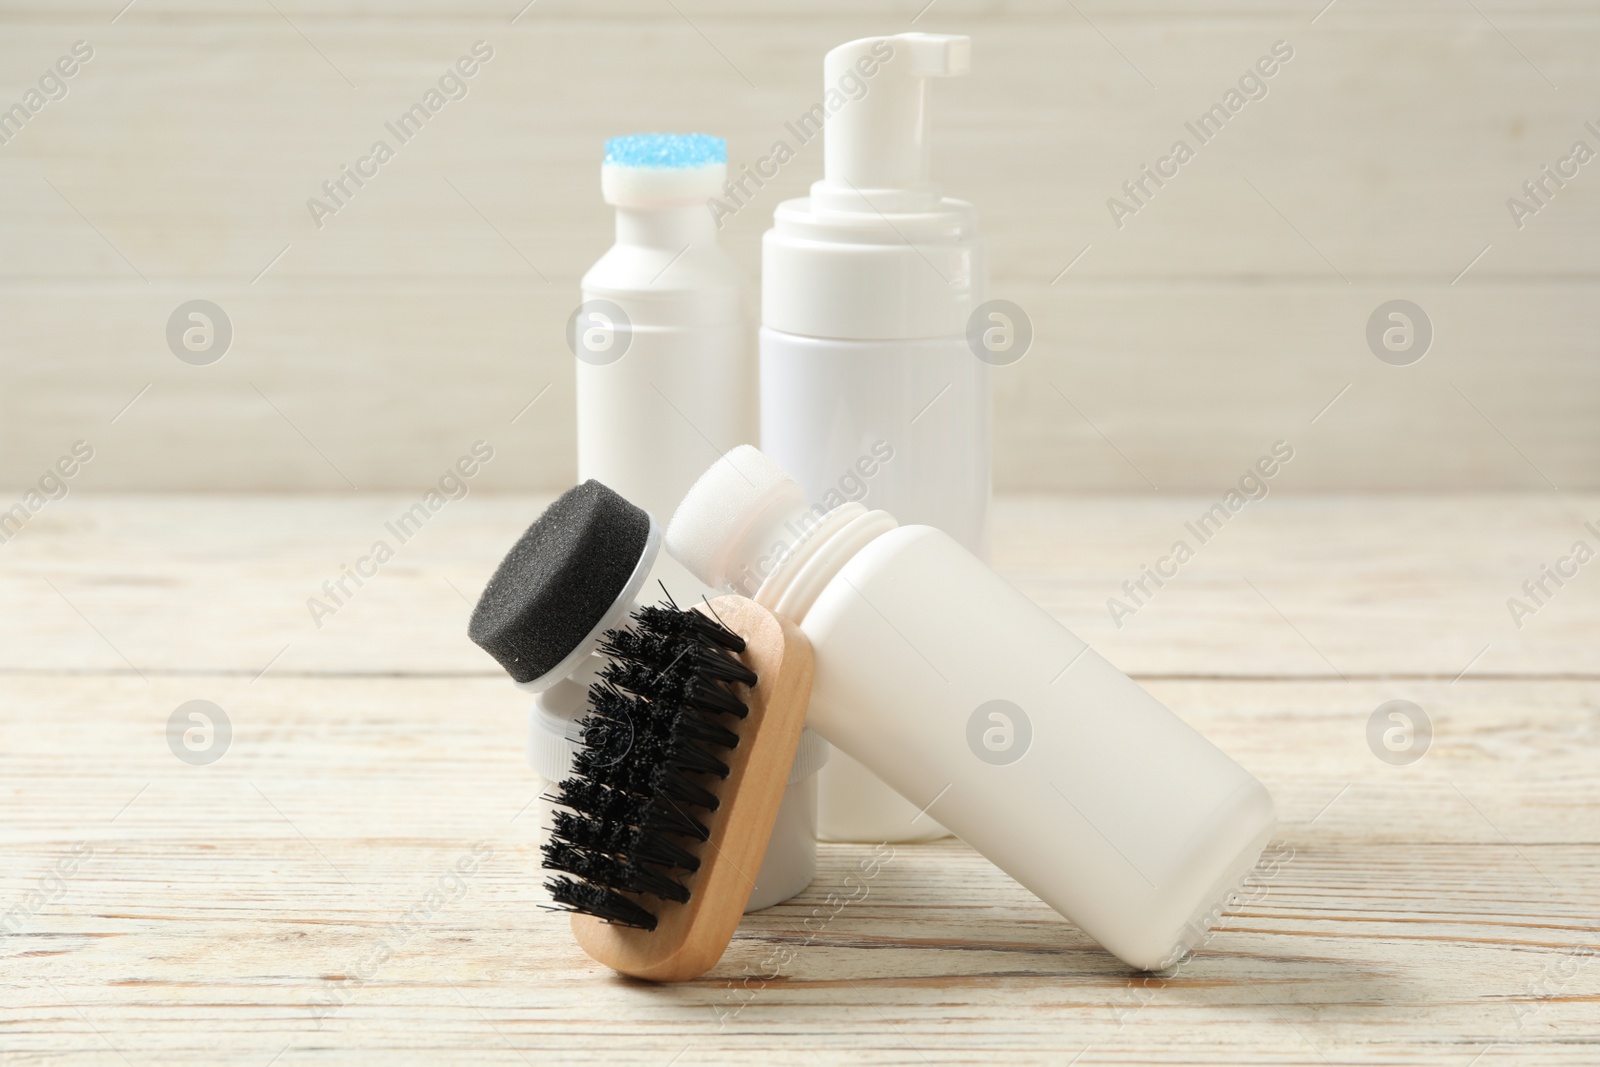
column 1223, row 317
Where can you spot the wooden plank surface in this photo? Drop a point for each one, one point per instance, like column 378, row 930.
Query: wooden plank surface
column 1224, row 315
column 354, row 879
column 1370, row 586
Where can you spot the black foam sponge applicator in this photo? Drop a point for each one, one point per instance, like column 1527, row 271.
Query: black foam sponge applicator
column 559, row 580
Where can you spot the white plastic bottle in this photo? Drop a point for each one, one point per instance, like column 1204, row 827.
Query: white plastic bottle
column 867, row 288
column 665, row 373
column 970, row 699
column 665, row 378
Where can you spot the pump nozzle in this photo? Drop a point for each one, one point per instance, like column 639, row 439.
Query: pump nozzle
column 879, row 140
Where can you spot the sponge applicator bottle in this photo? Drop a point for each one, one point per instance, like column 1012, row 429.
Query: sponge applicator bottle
column 666, row 383
column 868, row 285
column 665, row 374
column 576, row 573
column 976, row 705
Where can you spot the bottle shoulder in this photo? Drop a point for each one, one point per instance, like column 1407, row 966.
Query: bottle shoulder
column 872, row 219
column 629, row 268
column 904, row 554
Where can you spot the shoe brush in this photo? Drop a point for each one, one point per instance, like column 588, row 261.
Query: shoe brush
column 693, row 718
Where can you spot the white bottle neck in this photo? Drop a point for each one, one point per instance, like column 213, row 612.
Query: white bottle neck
column 568, row 699
column 853, row 266
column 670, row 228
column 553, row 733
column 808, row 565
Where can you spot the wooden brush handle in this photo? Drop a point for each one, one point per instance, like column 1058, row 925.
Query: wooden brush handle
column 690, row 938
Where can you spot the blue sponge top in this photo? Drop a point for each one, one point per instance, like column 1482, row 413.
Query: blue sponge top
column 666, row 150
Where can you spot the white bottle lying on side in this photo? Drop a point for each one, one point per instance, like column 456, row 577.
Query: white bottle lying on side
column 968, row 698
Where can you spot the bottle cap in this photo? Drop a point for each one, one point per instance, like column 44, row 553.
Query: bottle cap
column 733, row 518
column 876, row 252
column 879, row 144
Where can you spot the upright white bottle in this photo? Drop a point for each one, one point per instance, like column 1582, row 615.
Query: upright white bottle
column 665, row 381
column 867, row 288
column 665, row 376
column 972, row 701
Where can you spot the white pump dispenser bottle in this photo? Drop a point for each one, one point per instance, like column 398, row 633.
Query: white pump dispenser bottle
column 867, row 288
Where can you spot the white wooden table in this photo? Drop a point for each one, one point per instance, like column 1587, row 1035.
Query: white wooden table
column 354, row 878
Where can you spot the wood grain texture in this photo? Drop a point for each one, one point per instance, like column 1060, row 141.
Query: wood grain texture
column 1383, row 585
column 429, row 311
column 355, row 879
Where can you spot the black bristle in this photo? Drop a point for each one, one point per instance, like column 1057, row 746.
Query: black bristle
column 704, row 695
column 593, row 900
column 671, row 819
column 615, row 837
column 692, row 757
column 672, row 784
column 644, row 778
column 674, row 623
column 707, row 731
column 612, row 837
column 716, row 663
column 682, row 684
column 614, row 872
column 597, row 800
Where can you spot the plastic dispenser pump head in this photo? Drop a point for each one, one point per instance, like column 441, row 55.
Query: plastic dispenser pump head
column 878, row 145
column 850, row 261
